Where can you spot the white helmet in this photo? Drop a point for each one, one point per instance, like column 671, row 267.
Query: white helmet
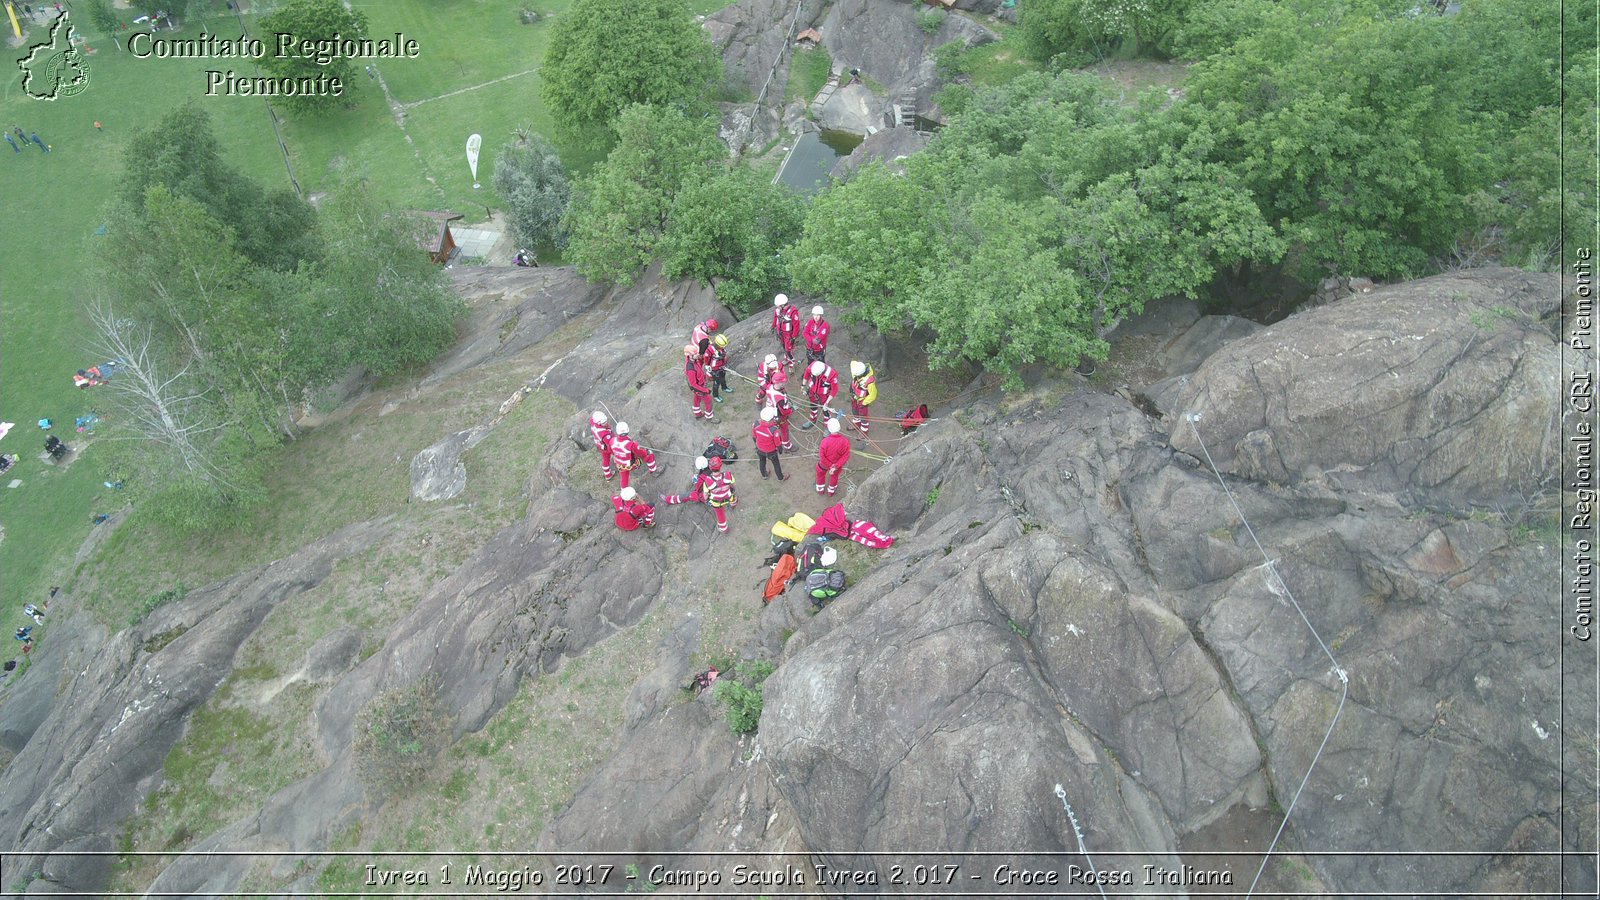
column 768, row 414
column 772, row 359
column 816, row 310
column 700, row 462
column 628, row 493
column 599, row 418
column 622, row 428
column 816, row 367
column 780, row 300
column 829, row 556
column 833, row 426
column 857, row 368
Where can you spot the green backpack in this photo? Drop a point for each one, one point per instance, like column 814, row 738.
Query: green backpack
column 823, row 585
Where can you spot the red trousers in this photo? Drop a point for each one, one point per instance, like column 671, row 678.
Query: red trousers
column 696, row 399
column 827, row 481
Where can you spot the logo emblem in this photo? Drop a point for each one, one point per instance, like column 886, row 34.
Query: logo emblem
column 55, row 68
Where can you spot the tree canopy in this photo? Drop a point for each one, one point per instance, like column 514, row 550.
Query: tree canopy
column 607, row 55
column 730, row 228
column 530, row 178
column 313, row 20
column 620, row 211
column 223, row 339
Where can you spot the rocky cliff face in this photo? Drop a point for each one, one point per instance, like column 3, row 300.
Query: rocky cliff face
column 1075, row 603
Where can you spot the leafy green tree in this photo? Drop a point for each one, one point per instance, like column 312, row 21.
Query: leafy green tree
column 607, row 55
column 180, row 152
column 619, row 212
column 1362, row 164
column 530, row 178
column 870, row 244
column 313, row 20
column 730, row 229
column 384, row 304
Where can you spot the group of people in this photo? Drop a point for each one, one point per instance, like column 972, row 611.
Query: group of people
column 705, row 368
column 16, row 136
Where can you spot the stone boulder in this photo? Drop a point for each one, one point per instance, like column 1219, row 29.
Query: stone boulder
column 1184, row 353
column 856, row 109
column 1443, row 389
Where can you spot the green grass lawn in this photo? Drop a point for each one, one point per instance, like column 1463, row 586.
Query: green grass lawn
column 476, row 73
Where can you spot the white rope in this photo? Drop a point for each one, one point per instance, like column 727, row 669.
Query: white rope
column 1061, row 793
column 1344, row 678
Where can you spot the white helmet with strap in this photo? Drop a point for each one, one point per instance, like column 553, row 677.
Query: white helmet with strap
column 599, row 418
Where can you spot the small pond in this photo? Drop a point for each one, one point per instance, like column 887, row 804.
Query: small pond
column 807, row 166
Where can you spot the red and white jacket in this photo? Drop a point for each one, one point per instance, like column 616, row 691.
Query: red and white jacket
column 716, row 358
column 627, row 453
column 816, row 334
column 701, row 333
column 716, row 488
column 602, row 436
column 833, row 452
column 786, row 320
column 821, row 389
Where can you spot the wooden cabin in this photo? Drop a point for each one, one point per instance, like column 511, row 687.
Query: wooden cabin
column 436, row 239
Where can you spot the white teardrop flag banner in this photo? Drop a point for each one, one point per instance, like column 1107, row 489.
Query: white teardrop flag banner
column 473, row 143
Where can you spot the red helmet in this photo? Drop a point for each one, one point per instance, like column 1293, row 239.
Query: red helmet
column 711, row 324
column 716, row 464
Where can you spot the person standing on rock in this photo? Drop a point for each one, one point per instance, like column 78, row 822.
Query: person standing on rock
column 718, row 493
column 780, row 402
column 699, row 386
column 816, row 335
column 602, row 441
column 702, row 334
column 632, row 513
column 863, row 390
column 770, row 373
column 627, row 453
column 769, row 440
column 786, row 325
column 716, row 360
column 832, row 454
column 821, row 384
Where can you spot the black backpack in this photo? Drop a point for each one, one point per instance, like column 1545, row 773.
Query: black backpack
column 809, row 556
column 721, row 446
column 823, row 585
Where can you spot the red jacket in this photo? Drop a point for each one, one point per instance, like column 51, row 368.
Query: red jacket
column 627, row 453
column 816, row 335
column 696, row 374
column 768, row 436
column 786, row 320
column 821, row 388
column 834, row 451
column 632, row 514
column 717, row 488
column 716, row 358
column 601, row 434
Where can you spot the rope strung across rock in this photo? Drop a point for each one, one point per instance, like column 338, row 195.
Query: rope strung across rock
column 1061, row 794
column 1344, row 678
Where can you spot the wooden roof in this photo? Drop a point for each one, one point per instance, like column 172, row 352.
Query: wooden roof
column 810, row 34
column 434, row 239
